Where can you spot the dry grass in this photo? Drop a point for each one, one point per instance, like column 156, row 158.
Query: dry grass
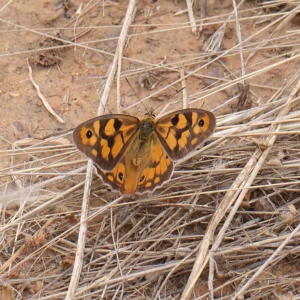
column 225, row 226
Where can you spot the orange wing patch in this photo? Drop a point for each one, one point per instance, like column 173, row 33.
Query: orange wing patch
column 115, row 177
column 121, row 178
column 159, row 170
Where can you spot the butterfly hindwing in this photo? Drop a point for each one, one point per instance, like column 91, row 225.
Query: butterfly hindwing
column 157, row 171
column 182, row 131
column 129, row 178
column 114, row 177
column 105, row 139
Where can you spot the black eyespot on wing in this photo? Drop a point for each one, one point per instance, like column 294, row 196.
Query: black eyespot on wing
column 142, row 178
column 201, row 123
column 89, row 134
column 121, row 176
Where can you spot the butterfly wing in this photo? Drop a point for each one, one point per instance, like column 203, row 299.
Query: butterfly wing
column 157, row 171
column 129, row 177
column 182, row 131
column 123, row 177
column 116, row 177
column 105, row 139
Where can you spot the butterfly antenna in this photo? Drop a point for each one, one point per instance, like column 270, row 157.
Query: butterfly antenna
column 136, row 94
column 177, row 92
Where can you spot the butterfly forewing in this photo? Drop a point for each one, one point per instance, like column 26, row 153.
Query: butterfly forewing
column 105, row 139
column 182, row 131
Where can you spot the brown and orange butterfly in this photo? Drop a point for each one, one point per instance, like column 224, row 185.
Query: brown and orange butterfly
column 136, row 156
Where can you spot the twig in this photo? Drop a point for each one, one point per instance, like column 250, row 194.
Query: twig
column 191, row 16
column 184, row 91
column 45, row 102
column 119, row 107
column 242, row 182
column 239, row 35
column 260, row 45
column 270, row 143
column 267, row 262
column 83, row 220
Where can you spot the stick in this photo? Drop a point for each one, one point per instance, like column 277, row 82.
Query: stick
column 45, row 102
column 191, row 16
column 86, row 196
column 184, row 91
column 243, row 183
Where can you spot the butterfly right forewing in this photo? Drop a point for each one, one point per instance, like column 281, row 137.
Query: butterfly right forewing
column 182, row 131
column 106, row 138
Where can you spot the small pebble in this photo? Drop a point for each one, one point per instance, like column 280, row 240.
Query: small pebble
column 19, row 126
column 215, row 74
column 14, row 94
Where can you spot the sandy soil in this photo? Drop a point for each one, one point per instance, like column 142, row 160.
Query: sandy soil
column 71, row 82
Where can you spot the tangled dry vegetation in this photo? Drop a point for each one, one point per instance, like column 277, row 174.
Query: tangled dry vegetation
column 226, row 226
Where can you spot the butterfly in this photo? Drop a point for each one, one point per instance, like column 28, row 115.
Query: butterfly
column 137, row 155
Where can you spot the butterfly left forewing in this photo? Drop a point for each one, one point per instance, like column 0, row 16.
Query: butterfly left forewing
column 105, row 139
column 182, row 131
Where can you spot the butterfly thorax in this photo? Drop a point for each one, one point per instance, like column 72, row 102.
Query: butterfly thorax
column 146, row 127
column 140, row 147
